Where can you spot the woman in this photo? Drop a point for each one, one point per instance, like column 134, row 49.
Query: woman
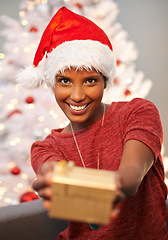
column 124, row 137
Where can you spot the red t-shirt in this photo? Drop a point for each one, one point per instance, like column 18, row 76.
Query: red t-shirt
column 143, row 216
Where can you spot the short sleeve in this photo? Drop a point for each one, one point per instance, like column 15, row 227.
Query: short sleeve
column 141, row 121
column 42, row 151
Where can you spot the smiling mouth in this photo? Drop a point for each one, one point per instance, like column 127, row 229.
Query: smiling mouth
column 78, row 108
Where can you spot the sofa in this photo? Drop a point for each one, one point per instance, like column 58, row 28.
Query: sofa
column 28, row 221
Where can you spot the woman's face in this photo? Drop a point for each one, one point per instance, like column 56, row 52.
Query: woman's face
column 79, row 94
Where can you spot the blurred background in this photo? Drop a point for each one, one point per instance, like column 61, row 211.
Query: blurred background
column 147, row 25
column 139, row 32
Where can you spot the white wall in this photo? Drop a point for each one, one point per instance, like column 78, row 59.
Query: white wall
column 147, row 25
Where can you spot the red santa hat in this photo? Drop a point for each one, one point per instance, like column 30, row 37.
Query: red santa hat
column 69, row 40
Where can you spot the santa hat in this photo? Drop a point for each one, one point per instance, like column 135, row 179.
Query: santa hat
column 69, row 40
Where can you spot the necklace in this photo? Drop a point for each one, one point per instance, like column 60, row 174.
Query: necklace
column 77, row 146
column 93, row 226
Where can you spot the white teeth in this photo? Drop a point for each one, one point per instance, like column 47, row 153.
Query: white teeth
column 78, row 108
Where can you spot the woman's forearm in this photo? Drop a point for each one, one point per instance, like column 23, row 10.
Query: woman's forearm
column 131, row 178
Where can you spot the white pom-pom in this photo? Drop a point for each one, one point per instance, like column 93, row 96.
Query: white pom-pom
column 31, row 77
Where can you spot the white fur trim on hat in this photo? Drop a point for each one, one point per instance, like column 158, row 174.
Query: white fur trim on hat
column 87, row 54
column 80, row 54
column 31, row 77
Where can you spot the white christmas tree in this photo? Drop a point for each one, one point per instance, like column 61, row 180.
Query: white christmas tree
column 27, row 116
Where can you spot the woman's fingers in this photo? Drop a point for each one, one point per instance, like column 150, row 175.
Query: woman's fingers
column 119, row 197
column 47, row 204
column 45, row 193
column 42, row 182
column 114, row 212
column 44, row 176
column 116, row 204
column 47, row 167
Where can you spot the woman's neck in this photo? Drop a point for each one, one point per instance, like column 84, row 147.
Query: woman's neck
column 79, row 126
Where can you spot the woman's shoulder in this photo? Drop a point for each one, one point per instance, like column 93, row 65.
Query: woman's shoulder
column 134, row 103
column 136, row 106
column 142, row 106
column 141, row 102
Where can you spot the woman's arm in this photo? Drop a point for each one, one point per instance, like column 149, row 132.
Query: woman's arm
column 42, row 184
column 137, row 159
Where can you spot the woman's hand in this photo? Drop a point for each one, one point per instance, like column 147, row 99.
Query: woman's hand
column 119, row 197
column 136, row 161
column 42, row 185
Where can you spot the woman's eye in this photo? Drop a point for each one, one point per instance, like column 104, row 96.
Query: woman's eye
column 64, row 81
column 90, row 81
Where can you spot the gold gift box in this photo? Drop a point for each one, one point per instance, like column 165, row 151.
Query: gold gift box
column 82, row 194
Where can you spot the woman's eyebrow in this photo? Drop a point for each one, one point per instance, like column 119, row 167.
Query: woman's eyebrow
column 93, row 76
column 62, row 76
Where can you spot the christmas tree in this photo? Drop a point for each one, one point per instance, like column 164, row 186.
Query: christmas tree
column 27, row 116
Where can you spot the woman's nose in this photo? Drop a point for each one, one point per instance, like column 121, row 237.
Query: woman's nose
column 77, row 94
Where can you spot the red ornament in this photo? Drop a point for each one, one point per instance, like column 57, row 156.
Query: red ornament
column 25, row 10
column 118, row 62
column 115, row 81
column 78, row 5
column 127, row 93
column 16, row 111
column 33, row 29
column 15, row 170
column 10, row 62
column 28, row 197
column 30, row 100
